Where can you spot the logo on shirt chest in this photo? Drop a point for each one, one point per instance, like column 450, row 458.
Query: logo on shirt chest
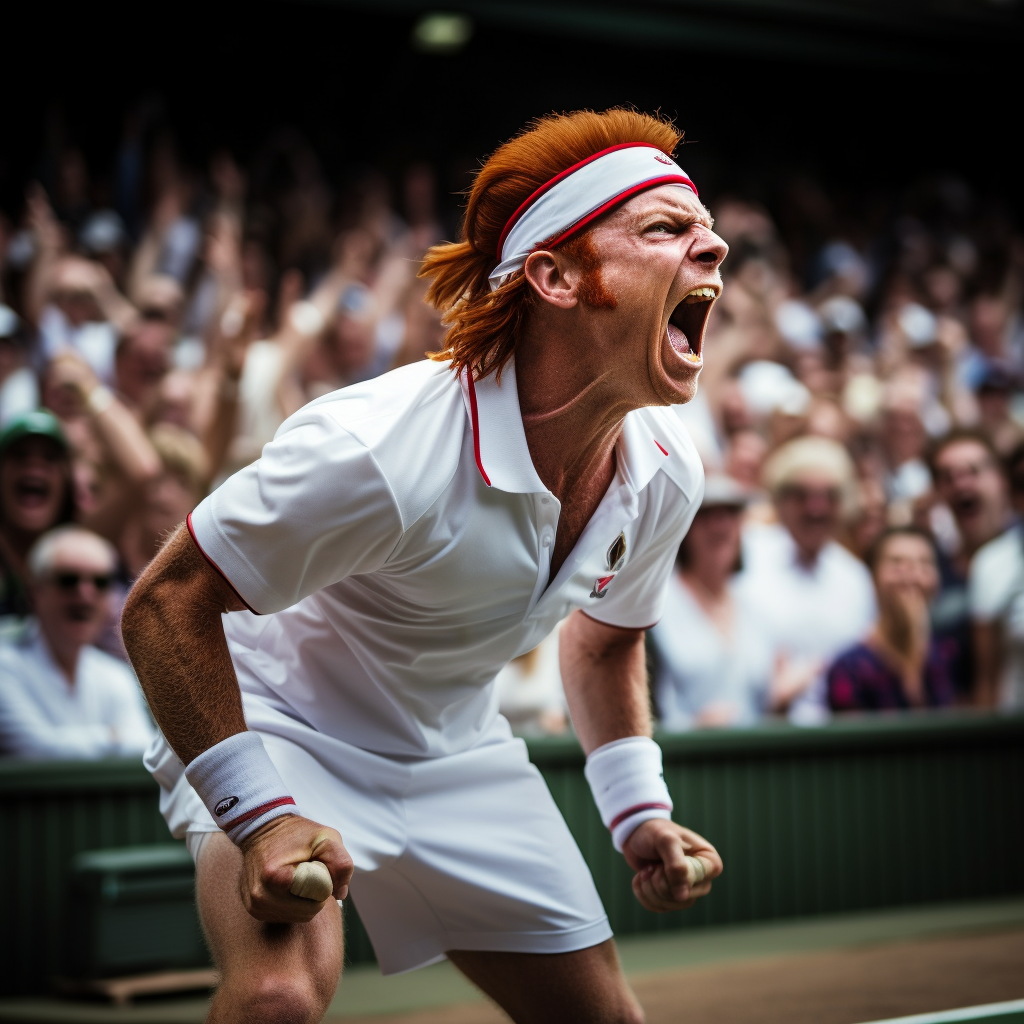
column 615, row 560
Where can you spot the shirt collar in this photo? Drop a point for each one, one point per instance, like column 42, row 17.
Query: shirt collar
column 639, row 452
column 499, row 440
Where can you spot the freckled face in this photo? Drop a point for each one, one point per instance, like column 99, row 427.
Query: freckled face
column 661, row 262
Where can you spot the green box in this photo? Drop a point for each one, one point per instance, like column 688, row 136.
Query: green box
column 132, row 910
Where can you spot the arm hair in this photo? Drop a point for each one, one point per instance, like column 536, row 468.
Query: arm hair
column 173, row 634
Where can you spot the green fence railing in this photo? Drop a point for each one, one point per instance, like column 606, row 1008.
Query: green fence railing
column 854, row 815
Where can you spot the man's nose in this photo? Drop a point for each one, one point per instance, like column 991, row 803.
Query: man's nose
column 708, row 249
column 86, row 589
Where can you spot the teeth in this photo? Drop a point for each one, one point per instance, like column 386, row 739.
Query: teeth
column 700, row 294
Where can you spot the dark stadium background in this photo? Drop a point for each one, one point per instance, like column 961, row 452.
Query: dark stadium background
column 865, row 94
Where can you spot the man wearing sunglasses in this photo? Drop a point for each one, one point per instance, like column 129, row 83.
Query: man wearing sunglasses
column 59, row 695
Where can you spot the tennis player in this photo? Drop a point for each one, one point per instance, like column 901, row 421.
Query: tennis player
column 400, row 541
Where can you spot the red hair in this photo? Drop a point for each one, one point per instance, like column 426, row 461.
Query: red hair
column 483, row 325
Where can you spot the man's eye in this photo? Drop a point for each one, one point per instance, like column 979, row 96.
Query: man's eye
column 662, row 228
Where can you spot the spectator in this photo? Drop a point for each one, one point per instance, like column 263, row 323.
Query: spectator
column 900, row 664
column 143, row 359
column 36, row 494
column 969, row 481
column 996, row 589
column 168, row 498
column 996, row 386
column 713, row 661
column 112, row 452
column 59, row 695
column 813, row 597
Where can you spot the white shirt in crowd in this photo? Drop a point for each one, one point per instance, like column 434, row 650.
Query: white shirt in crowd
column 19, row 394
column 698, row 667
column 402, row 536
column 530, row 688
column 95, row 342
column 41, row 715
column 809, row 614
column 996, row 593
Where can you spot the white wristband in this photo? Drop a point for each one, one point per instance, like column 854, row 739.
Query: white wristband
column 240, row 785
column 629, row 788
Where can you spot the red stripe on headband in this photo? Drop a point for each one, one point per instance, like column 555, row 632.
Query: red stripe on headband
column 667, row 179
column 529, row 201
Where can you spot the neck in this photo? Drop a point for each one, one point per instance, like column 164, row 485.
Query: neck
column 710, row 591
column 807, row 557
column 572, row 406
column 707, row 579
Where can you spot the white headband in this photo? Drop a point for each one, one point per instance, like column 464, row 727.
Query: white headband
column 581, row 193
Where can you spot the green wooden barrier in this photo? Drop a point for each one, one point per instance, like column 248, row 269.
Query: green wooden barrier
column 854, row 815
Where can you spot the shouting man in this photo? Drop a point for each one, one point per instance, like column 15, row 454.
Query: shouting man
column 398, row 543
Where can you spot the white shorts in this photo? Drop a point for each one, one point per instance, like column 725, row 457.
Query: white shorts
column 466, row 851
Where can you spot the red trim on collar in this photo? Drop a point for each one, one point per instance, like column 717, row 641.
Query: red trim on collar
column 664, row 450
column 220, row 572
column 476, row 426
column 533, row 197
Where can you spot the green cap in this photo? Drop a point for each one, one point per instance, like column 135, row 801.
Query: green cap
column 38, row 423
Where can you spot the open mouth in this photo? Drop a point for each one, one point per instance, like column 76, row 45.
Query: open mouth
column 688, row 320
column 966, row 504
column 31, row 493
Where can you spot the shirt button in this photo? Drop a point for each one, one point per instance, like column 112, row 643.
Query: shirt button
column 545, row 501
column 546, row 540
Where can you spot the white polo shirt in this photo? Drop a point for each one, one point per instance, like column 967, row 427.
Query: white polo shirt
column 397, row 541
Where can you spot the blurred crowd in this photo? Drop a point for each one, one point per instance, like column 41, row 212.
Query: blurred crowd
column 860, row 417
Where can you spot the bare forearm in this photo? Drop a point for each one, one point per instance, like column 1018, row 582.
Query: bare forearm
column 605, row 679
column 173, row 633
column 219, row 429
column 127, row 443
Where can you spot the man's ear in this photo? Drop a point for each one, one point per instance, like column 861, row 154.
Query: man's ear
column 551, row 279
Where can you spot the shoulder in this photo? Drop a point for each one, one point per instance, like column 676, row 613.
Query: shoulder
column 1004, row 552
column 21, row 649
column 12, row 657
column 106, row 669
column 410, row 422
column 766, row 548
column 996, row 571
column 841, row 560
column 854, row 657
column 373, row 408
column 682, row 464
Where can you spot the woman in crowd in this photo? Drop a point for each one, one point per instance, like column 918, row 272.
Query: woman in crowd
column 713, row 663
column 900, row 664
column 36, row 494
